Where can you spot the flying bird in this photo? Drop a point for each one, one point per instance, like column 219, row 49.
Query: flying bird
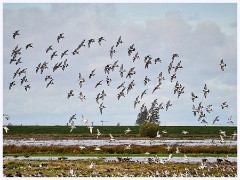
column 127, row 131
column 81, row 96
column 6, row 116
column 12, row 84
column 185, row 132
column 119, row 41
column 85, row 120
column 205, row 90
column 229, row 121
column 216, row 119
column 49, row 48
column 143, row 93
column 100, row 40
column 29, row 45
column 92, row 73
column 81, row 80
column 101, row 107
column 90, row 129
column 193, row 97
column 90, row 41
column 224, row 104
column 168, row 105
column 64, row 53
column 5, row 129
column 173, row 56
column 111, row 138
column 158, row 135
column 16, row 33
column 98, row 133
column 49, row 83
column 131, row 49
column 112, row 51
column 60, row 37
column 70, row 94
column 99, row 83
column 222, row 64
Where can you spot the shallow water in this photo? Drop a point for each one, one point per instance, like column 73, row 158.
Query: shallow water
column 207, row 142
column 139, row 159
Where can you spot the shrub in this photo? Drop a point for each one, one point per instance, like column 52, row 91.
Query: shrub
column 148, row 129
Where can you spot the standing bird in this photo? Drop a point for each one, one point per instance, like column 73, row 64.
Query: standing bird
column 15, row 34
column 222, row 64
column 158, row 135
column 205, row 90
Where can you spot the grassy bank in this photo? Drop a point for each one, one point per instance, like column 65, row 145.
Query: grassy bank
column 118, row 131
column 112, row 150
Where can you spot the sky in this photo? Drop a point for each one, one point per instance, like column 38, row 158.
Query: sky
column 201, row 34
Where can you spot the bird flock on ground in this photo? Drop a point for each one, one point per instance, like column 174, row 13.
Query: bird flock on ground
column 62, row 63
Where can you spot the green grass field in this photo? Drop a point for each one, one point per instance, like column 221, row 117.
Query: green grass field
column 118, row 131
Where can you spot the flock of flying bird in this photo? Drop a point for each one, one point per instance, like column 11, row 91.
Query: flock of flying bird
column 124, row 89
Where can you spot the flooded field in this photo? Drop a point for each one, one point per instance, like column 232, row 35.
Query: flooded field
column 206, row 142
column 132, row 158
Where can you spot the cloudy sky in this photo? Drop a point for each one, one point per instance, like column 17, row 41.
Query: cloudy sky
column 201, row 34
